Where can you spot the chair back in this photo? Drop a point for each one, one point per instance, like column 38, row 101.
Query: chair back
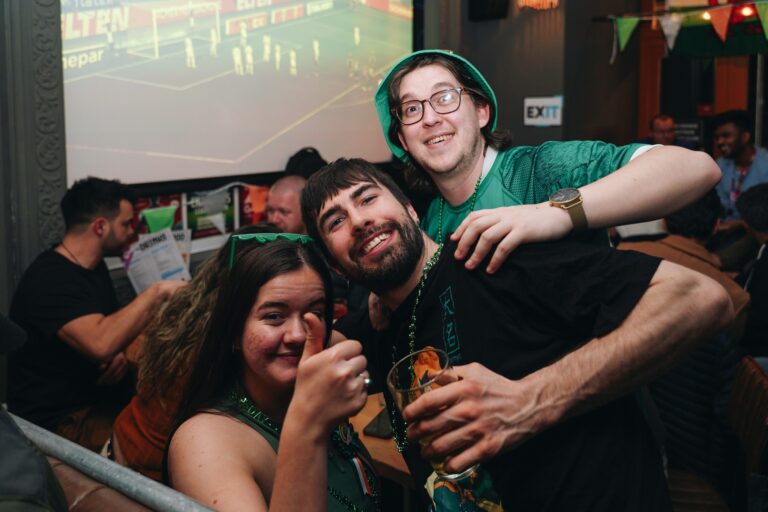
column 748, row 414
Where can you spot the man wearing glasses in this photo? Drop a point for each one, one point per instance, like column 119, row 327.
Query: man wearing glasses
column 439, row 115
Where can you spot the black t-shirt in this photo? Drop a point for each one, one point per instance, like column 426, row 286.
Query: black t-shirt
column 47, row 377
column 545, row 301
column 755, row 339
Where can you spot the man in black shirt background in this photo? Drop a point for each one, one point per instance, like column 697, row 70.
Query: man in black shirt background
column 70, row 376
column 753, row 208
column 548, row 348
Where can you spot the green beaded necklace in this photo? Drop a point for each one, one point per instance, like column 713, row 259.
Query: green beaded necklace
column 346, row 449
column 398, row 424
column 442, row 205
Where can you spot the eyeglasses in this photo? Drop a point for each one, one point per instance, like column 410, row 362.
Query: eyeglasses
column 265, row 238
column 442, row 102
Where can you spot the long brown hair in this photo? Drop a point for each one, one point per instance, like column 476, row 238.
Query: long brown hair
column 175, row 335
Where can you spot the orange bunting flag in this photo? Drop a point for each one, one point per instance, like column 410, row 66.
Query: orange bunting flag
column 720, row 18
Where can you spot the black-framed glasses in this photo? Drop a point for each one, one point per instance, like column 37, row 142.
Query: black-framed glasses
column 265, row 238
column 442, row 102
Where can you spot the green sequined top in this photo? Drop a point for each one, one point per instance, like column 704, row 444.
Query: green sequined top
column 349, row 464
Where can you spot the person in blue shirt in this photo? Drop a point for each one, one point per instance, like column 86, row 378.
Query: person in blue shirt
column 743, row 164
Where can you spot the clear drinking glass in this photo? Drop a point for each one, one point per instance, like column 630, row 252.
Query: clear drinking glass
column 418, row 373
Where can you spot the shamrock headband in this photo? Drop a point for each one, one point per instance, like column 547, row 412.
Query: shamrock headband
column 265, row 238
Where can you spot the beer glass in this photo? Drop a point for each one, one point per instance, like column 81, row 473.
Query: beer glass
column 418, row 373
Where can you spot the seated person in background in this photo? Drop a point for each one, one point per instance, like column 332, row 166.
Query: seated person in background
column 689, row 231
column 550, row 347
column 753, row 208
column 69, row 377
column 662, row 131
column 692, row 397
column 141, row 431
column 261, row 378
column 305, row 162
column 744, row 165
column 283, row 208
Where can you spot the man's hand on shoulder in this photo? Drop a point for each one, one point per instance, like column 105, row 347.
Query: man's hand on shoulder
column 507, row 228
column 476, row 418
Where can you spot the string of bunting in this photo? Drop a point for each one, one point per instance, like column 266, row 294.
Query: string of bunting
column 671, row 22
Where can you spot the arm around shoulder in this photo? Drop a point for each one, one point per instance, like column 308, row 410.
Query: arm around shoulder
column 680, row 309
column 491, row 414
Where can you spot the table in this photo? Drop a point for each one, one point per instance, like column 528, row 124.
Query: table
column 386, row 459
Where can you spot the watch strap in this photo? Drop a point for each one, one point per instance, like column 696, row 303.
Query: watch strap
column 578, row 216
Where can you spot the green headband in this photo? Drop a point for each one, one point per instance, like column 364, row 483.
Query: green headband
column 381, row 98
column 265, row 238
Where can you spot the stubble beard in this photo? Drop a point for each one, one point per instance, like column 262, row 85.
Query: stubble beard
column 397, row 265
column 114, row 250
column 466, row 163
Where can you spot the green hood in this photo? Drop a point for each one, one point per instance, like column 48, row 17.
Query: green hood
column 382, row 103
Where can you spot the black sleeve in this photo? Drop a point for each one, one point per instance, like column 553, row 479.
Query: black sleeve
column 583, row 289
column 51, row 296
column 356, row 325
column 755, row 339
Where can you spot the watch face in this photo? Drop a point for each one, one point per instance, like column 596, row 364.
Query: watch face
column 564, row 195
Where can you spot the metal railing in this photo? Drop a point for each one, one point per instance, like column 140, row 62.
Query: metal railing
column 134, row 485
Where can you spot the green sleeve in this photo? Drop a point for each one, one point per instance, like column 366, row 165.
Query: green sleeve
column 575, row 164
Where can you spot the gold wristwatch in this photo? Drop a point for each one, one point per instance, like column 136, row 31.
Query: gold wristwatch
column 569, row 199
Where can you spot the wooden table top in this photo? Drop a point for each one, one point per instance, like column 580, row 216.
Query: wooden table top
column 386, row 459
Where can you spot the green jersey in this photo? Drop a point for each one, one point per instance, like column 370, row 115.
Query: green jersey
column 529, row 174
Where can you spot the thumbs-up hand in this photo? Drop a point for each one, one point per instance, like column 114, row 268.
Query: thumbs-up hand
column 315, row 336
column 330, row 383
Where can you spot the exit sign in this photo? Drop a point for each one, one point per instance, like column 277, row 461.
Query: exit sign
column 543, row 111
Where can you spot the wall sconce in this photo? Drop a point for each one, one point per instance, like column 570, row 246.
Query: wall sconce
column 539, row 5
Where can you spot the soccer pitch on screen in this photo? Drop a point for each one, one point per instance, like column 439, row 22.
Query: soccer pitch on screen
column 176, row 90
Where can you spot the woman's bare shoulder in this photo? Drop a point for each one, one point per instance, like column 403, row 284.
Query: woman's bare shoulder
column 214, row 457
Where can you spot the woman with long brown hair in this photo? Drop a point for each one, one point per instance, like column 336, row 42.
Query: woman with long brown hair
column 264, row 414
column 140, row 432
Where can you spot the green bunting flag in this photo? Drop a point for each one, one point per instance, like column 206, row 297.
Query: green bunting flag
column 160, row 218
column 626, row 26
column 762, row 11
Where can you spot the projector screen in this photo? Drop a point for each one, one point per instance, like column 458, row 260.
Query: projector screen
column 187, row 89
